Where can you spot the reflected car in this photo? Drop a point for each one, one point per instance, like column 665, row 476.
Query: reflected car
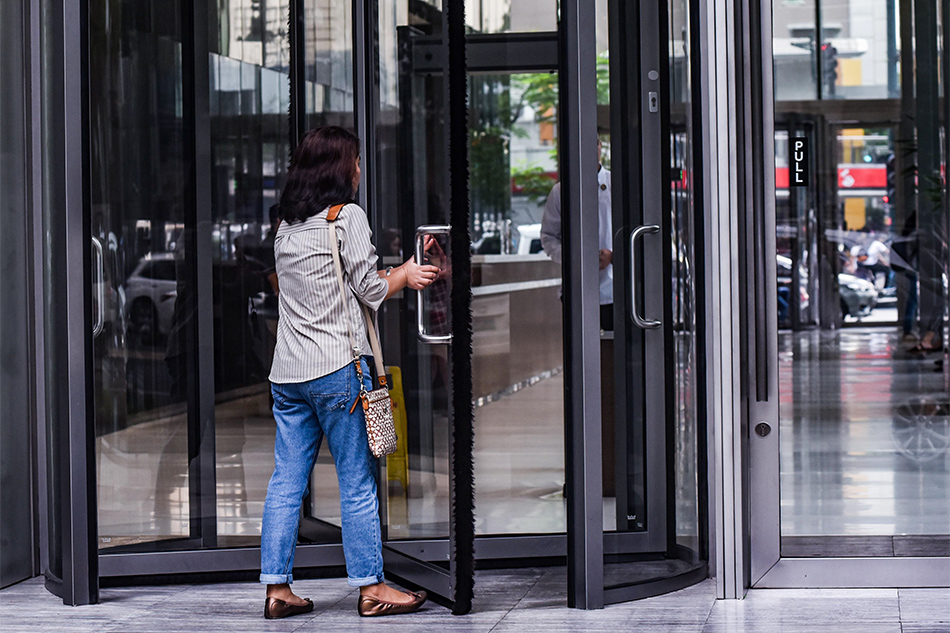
column 150, row 297
column 858, row 296
column 529, row 239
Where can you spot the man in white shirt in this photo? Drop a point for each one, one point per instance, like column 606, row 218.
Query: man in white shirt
column 875, row 261
column 551, row 238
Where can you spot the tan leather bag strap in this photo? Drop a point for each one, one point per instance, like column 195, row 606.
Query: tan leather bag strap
column 332, row 215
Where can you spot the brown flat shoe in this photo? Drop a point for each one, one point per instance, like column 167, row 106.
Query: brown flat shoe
column 275, row 609
column 370, row 607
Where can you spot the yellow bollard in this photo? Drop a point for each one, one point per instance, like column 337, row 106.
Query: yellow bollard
column 397, row 464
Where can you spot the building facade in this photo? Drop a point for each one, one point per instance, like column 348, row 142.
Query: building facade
column 766, row 402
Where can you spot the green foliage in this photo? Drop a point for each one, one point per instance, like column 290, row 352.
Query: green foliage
column 489, row 175
column 534, row 182
column 540, row 91
column 496, row 105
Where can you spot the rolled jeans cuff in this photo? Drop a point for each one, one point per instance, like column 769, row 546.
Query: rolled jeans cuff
column 363, row 582
column 277, row 579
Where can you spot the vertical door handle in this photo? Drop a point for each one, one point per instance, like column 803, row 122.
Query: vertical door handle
column 642, row 323
column 99, row 282
column 421, row 233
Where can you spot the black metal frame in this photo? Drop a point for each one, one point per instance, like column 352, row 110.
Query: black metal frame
column 625, row 137
column 70, row 475
column 582, row 407
column 492, row 53
column 37, row 265
column 198, row 248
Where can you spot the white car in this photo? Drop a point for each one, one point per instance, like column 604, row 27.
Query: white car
column 529, row 239
column 150, row 293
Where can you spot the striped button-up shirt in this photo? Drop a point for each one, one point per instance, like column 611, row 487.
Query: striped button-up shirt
column 312, row 335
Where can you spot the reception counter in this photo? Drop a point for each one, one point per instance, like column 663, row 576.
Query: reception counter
column 516, row 320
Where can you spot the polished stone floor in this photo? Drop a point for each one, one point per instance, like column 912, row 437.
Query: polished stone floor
column 865, row 437
column 517, row 601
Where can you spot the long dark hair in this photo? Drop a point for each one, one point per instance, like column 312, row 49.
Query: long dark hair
column 321, row 173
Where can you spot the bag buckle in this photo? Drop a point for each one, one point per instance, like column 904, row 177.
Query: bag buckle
column 363, row 396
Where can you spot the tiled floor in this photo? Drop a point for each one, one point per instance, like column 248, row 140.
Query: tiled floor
column 522, row 601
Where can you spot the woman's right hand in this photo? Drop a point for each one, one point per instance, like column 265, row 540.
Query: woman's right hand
column 418, row 277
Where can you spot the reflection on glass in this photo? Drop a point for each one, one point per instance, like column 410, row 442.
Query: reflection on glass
column 859, row 49
column 137, row 194
column 793, row 49
column 328, row 63
column 511, row 16
column 862, row 302
column 409, row 174
column 516, row 312
column 250, row 95
column 867, row 281
column 857, row 56
column 249, row 134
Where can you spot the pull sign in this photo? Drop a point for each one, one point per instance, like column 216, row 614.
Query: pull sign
column 798, row 172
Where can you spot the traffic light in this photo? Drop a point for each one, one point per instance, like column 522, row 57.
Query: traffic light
column 829, row 67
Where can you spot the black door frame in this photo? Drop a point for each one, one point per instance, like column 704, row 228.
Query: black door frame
column 67, row 477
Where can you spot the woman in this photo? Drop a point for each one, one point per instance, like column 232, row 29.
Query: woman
column 313, row 378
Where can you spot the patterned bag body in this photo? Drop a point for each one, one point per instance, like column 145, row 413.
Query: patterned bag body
column 377, row 405
column 380, row 427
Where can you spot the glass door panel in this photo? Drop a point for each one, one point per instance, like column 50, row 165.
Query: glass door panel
column 143, row 349
column 418, row 493
column 409, row 203
column 516, row 309
column 686, row 447
column 410, row 183
column 654, row 516
column 863, row 405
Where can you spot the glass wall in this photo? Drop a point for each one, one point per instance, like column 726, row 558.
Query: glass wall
column 864, row 403
column 856, row 57
column 150, row 291
column 144, row 349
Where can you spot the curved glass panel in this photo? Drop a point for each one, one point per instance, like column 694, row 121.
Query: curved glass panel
column 143, row 272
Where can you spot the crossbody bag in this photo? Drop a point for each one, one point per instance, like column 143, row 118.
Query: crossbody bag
column 377, row 405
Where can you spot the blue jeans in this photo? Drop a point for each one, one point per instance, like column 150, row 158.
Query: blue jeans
column 305, row 412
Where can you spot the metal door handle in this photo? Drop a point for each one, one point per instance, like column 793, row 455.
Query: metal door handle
column 100, row 283
column 421, row 232
column 641, row 322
